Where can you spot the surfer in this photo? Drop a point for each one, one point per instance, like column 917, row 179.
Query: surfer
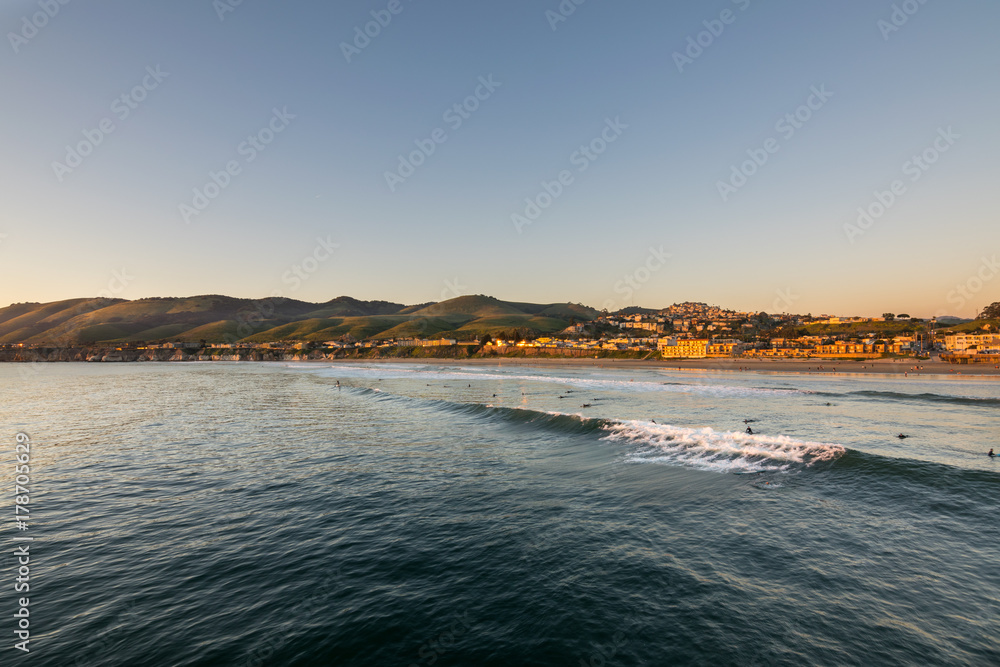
column 902, row 437
column 991, row 454
column 749, row 430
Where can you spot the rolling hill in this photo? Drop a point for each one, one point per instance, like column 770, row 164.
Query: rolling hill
column 220, row 319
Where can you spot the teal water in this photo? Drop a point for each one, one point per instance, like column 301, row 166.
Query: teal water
column 256, row 514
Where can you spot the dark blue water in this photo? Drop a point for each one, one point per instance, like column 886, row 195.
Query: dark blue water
column 240, row 514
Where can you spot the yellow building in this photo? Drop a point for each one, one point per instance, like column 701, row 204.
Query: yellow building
column 844, row 349
column 725, row 348
column 683, row 348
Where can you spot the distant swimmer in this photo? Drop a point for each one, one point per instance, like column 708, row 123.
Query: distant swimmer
column 749, row 430
column 902, row 436
column 654, row 421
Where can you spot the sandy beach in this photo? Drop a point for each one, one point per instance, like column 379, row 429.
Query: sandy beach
column 894, row 367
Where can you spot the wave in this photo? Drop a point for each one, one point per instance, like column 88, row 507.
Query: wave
column 720, row 451
column 426, row 373
column 705, row 448
column 965, row 490
column 647, row 442
column 924, row 397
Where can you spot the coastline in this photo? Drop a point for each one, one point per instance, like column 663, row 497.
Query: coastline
column 898, row 367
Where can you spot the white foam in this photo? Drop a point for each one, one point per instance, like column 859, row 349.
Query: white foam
column 719, row 451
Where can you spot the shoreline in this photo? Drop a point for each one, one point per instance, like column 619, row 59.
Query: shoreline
column 899, row 367
column 902, row 367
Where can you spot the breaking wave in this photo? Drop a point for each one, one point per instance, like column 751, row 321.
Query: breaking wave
column 719, row 451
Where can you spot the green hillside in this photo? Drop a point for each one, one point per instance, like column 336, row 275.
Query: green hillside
column 970, row 327
column 216, row 319
column 21, row 322
column 477, row 306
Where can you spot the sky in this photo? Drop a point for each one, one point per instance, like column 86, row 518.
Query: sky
column 785, row 156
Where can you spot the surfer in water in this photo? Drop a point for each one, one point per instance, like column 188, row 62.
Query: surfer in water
column 749, row 430
column 902, row 436
column 991, row 454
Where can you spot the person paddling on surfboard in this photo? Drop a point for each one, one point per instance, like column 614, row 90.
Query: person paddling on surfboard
column 991, row 454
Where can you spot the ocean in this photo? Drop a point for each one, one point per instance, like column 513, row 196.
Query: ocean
column 443, row 514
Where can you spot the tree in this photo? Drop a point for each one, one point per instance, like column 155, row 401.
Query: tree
column 889, row 317
column 991, row 312
column 904, row 316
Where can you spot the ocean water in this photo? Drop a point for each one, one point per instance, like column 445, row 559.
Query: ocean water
column 405, row 514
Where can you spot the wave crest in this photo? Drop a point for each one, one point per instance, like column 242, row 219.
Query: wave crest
column 718, row 451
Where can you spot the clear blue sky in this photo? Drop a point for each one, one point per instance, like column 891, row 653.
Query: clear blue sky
column 776, row 242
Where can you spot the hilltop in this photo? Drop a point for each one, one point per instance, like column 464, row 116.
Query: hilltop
column 222, row 319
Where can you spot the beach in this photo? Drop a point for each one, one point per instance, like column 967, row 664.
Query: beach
column 895, row 367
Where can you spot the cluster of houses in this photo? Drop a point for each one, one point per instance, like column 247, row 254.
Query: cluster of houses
column 683, row 346
column 682, row 331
